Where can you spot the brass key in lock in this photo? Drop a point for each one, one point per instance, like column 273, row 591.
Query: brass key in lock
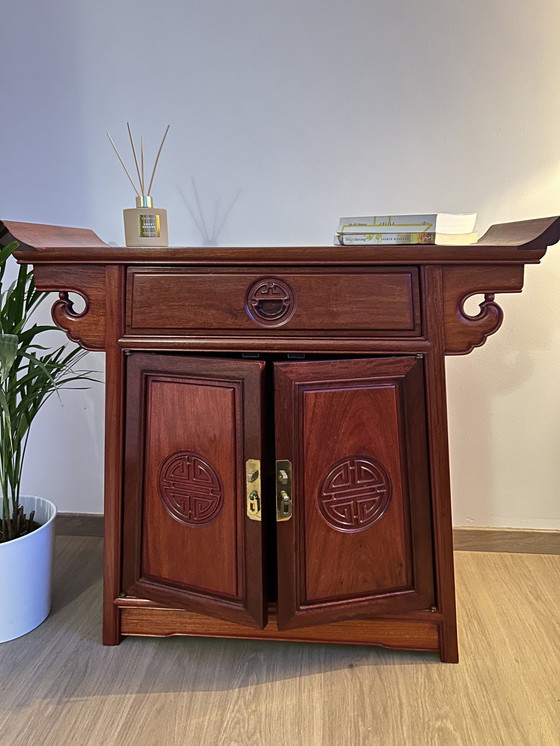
column 283, row 490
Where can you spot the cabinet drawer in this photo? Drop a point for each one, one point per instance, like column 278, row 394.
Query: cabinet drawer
column 382, row 302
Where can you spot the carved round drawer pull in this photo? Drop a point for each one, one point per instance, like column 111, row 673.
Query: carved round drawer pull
column 270, row 302
column 270, row 309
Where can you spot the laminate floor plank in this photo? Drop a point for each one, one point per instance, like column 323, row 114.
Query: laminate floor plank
column 59, row 685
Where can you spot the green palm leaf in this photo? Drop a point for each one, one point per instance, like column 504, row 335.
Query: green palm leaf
column 30, row 372
column 8, row 353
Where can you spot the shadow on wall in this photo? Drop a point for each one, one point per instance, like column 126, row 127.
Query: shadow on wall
column 210, row 221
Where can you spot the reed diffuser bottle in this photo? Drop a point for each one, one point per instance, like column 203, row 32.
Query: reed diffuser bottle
column 144, row 225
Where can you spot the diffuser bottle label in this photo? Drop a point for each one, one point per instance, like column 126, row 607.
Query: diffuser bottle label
column 148, row 226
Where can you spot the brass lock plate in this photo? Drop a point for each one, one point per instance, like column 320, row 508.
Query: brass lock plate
column 253, row 488
column 283, row 490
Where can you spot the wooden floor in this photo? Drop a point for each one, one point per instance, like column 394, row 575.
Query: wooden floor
column 59, row 686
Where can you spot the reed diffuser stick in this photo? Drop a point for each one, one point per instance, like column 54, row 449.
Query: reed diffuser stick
column 142, row 162
column 139, row 164
column 135, row 159
column 122, row 164
column 157, row 158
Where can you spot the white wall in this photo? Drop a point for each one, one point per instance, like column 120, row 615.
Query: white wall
column 312, row 109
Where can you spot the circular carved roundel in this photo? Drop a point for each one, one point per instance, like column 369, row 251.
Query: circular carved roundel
column 270, row 302
column 190, row 488
column 354, row 494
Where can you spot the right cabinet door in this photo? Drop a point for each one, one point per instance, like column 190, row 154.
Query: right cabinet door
column 359, row 541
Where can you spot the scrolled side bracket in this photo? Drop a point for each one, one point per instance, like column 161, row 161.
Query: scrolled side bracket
column 464, row 332
column 87, row 327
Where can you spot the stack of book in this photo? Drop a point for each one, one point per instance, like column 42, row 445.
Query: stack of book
column 438, row 228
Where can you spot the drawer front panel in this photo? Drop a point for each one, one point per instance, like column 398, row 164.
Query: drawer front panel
column 204, row 301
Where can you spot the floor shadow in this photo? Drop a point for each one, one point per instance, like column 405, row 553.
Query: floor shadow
column 65, row 653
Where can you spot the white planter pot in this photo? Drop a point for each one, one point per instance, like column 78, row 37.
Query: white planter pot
column 26, row 567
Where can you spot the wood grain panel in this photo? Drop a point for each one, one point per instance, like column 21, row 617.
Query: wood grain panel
column 33, row 236
column 194, row 417
column 372, row 300
column 342, row 562
column 358, row 426
column 191, row 426
column 413, row 635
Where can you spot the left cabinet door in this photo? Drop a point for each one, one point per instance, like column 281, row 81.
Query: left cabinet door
column 189, row 540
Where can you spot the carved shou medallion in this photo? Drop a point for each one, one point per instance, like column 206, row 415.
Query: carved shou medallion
column 270, row 302
column 354, row 494
column 190, row 488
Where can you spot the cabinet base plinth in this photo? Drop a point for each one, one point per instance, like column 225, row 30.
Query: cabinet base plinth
column 390, row 633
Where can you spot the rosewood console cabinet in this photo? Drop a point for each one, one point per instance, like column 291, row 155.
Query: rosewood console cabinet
column 276, row 434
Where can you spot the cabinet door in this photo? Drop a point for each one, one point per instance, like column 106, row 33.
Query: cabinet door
column 358, row 543
column 189, row 541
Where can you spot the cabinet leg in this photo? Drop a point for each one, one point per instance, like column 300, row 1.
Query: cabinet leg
column 111, row 625
column 448, row 647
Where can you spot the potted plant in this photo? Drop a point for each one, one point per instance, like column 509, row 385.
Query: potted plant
column 30, row 372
